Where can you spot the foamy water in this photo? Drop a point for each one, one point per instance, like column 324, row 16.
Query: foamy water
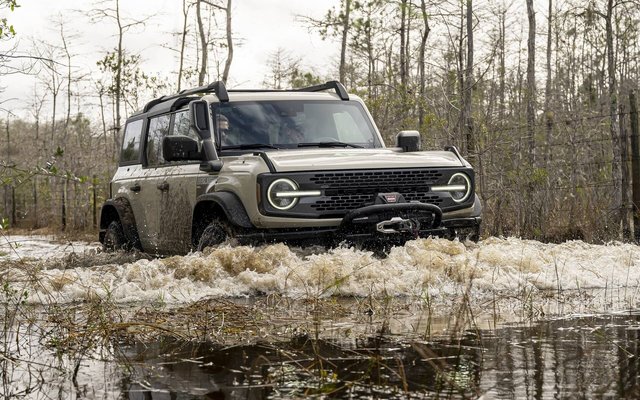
column 436, row 268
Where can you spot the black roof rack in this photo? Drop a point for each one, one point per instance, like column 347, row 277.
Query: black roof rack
column 216, row 87
column 337, row 86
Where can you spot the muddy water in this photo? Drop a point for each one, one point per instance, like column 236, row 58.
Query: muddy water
column 586, row 357
column 505, row 318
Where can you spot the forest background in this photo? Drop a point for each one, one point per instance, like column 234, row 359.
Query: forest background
column 538, row 95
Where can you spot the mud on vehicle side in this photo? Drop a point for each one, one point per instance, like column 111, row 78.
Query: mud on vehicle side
column 305, row 165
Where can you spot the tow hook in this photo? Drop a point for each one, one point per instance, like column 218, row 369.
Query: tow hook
column 398, row 225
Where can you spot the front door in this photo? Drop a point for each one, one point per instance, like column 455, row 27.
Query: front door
column 173, row 185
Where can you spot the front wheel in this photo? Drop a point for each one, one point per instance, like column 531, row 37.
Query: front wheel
column 469, row 233
column 114, row 238
column 217, row 232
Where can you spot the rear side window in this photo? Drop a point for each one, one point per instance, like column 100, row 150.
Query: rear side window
column 131, row 143
column 158, row 129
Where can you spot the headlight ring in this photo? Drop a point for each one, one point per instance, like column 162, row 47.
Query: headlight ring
column 460, row 179
column 282, row 185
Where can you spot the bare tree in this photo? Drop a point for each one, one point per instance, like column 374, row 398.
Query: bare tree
column 531, row 83
column 204, row 44
column 335, row 23
column 547, row 90
column 110, row 10
column 227, row 63
column 185, row 24
column 343, row 45
column 468, row 85
column 421, row 60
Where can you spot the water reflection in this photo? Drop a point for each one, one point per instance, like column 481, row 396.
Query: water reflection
column 582, row 357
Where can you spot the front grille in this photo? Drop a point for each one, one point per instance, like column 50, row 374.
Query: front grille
column 343, row 203
column 346, row 190
column 352, row 201
column 378, row 178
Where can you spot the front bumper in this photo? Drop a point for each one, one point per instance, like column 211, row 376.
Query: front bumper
column 376, row 223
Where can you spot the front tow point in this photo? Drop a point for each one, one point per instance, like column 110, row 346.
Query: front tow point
column 398, row 225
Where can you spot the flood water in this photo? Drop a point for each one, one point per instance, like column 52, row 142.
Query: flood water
column 582, row 357
column 505, row 318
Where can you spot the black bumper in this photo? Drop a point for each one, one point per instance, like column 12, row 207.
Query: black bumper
column 363, row 225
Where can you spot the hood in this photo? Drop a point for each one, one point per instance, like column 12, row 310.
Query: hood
column 335, row 159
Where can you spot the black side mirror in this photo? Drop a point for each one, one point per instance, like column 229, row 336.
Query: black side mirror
column 409, row 141
column 180, row 148
column 199, row 112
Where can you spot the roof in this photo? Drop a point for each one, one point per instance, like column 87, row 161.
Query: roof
column 217, row 91
column 275, row 95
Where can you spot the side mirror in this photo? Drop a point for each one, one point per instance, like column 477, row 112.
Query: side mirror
column 199, row 113
column 409, row 141
column 180, row 148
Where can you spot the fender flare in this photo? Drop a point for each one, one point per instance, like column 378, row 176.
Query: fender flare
column 124, row 212
column 231, row 205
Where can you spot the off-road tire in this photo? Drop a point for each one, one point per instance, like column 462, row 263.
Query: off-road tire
column 114, row 238
column 470, row 234
column 217, row 232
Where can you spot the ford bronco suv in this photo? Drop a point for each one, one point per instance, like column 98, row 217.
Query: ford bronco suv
column 307, row 165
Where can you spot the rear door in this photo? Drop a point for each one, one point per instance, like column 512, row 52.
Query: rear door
column 127, row 182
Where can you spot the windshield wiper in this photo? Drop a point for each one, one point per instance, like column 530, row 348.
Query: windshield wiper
column 249, row 146
column 330, row 144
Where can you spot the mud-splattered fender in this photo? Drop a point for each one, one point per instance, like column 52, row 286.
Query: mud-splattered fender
column 229, row 203
column 120, row 208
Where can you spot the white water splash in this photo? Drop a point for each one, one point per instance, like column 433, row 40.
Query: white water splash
column 434, row 267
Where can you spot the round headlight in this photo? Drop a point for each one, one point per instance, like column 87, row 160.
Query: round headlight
column 278, row 186
column 461, row 180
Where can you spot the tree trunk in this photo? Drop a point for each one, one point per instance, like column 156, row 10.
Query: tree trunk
column 531, row 83
column 35, row 203
column 68, row 56
column 549, row 114
column 403, row 44
column 626, row 178
column 502, row 70
column 635, row 163
column 461, row 81
column 203, row 44
column 616, row 170
column 118, row 82
column 468, row 87
column 343, row 45
column 421, row 60
column 185, row 13
column 227, row 63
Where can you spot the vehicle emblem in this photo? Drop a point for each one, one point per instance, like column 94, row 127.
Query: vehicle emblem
column 391, row 198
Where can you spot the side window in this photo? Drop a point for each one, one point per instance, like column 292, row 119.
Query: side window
column 131, row 142
column 181, row 125
column 158, row 129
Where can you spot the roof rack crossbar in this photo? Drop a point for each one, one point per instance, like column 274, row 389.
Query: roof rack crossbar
column 337, row 86
column 217, row 87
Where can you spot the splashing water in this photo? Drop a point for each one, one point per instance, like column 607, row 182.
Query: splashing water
column 426, row 267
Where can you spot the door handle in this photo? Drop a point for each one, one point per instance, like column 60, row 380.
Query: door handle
column 135, row 188
column 164, row 186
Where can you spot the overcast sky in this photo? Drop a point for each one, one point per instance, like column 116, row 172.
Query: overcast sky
column 260, row 27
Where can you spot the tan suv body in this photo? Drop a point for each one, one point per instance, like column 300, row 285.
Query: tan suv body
column 303, row 165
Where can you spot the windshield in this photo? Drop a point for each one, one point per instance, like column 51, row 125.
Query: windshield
column 293, row 124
